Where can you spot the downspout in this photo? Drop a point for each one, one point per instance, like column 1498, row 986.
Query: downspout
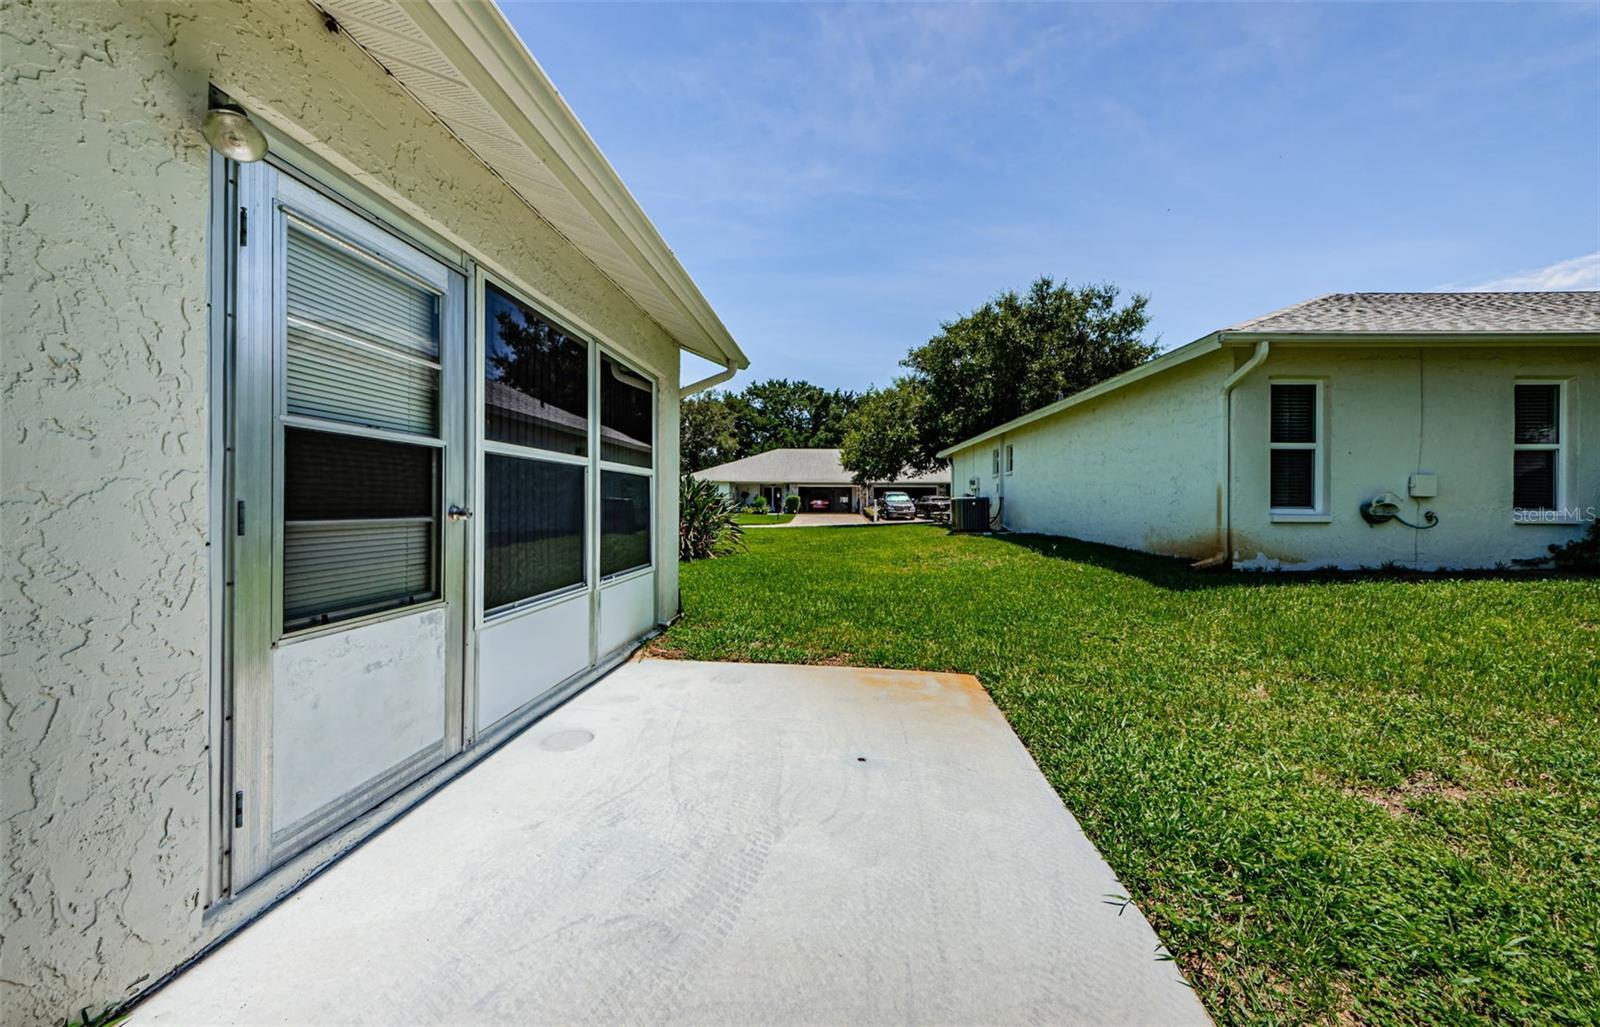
column 1224, row 551
column 684, row 392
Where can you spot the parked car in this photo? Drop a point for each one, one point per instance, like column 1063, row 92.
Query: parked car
column 896, row 505
column 818, row 504
column 934, row 508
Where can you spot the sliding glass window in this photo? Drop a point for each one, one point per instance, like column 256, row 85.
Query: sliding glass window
column 627, row 463
column 536, row 442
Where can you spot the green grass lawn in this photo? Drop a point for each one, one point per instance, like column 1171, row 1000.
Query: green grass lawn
column 1345, row 800
column 771, row 518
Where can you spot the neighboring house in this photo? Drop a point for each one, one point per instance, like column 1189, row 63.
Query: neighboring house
column 816, row 476
column 250, row 410
column 1260, row 444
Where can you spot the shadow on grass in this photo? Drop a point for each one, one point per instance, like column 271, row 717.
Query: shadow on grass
column 1177, row 575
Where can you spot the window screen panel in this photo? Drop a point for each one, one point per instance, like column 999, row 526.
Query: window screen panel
column 338, row 381
column 532, row 528
column 627, row 428
column 1534, row 479
column 1538, row 414
column 536, row 388
column 624, row 521
column 360, row 525
column 1294, row 413
column 328, row 476
column 335, row 286
column 1293, row 483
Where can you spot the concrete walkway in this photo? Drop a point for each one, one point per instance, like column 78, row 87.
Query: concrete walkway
column 707, row 843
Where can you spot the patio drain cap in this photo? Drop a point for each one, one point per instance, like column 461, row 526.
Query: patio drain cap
column 565, row 741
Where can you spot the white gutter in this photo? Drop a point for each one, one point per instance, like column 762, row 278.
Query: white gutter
column 1225, row 459
column 705, row 383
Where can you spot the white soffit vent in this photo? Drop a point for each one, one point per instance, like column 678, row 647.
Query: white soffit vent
column 464, row 62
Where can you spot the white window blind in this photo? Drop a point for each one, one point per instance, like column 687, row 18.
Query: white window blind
column 361, row 352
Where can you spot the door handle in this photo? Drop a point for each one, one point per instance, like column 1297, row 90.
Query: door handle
column 458, row 513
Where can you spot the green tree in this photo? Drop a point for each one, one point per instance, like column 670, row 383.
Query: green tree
column 707, row 432
column 880, row 439
column 1017, row 353
column 783, row 414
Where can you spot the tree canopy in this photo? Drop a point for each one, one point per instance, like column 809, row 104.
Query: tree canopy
column 777, row 413
column 1018, row 353
column 1011, row 356
column 881, row 432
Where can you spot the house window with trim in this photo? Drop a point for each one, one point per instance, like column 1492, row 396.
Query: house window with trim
column 1536, row 447
column 1296, row 447
column 1011, row 462
column 995, row 462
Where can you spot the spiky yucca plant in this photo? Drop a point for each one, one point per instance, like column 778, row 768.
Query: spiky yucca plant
column 706, row 527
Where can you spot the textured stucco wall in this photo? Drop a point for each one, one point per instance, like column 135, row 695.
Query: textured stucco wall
column 105, row 422
column 1394, row 410
column 1138, row 468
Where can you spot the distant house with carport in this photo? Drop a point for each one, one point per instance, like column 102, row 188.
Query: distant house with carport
column 813, row 475
column 1421, row 430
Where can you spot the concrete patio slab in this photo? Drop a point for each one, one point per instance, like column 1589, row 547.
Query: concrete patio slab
column 708, row 843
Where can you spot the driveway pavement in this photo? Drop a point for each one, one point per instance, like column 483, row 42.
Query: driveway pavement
column 707, row 843
column 828, row 520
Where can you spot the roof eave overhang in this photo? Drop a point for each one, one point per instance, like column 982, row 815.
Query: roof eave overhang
column 486, row 51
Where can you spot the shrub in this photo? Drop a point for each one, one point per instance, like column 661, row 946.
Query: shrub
column 706, row 525
column 1581, row 554
column 791, row 503
column 758, row 505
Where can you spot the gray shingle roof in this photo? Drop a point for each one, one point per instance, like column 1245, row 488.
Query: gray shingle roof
column 800, row 467
column 1442, row 312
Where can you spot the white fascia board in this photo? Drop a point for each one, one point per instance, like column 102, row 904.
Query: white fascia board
column 1165, row 362
column 482, row 45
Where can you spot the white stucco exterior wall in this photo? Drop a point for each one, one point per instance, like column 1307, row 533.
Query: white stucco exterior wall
column 1138, row 467
column 106, row 686
column 1135, row 468
column 1394, row 410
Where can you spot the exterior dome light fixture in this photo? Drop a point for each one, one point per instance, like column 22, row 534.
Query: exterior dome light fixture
column 231, row 133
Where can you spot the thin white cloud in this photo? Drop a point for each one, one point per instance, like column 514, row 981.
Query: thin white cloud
column 1578, row 273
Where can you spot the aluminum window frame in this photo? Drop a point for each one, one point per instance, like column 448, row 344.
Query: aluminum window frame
column 1319, row 462
column 301, row 204
column 637, row 470
column 1561, row 449
column 484, row 446
column 1011, row 458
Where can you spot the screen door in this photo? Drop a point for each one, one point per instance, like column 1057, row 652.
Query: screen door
column 347, row 478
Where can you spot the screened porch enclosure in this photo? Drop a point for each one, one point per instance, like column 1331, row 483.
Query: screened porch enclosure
column 442, row 502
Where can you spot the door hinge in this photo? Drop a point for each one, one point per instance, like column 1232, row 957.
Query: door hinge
column 244, row 226
column 238, row 809
column 239, row 519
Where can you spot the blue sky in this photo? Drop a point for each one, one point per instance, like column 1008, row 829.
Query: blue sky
column 839, row 179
